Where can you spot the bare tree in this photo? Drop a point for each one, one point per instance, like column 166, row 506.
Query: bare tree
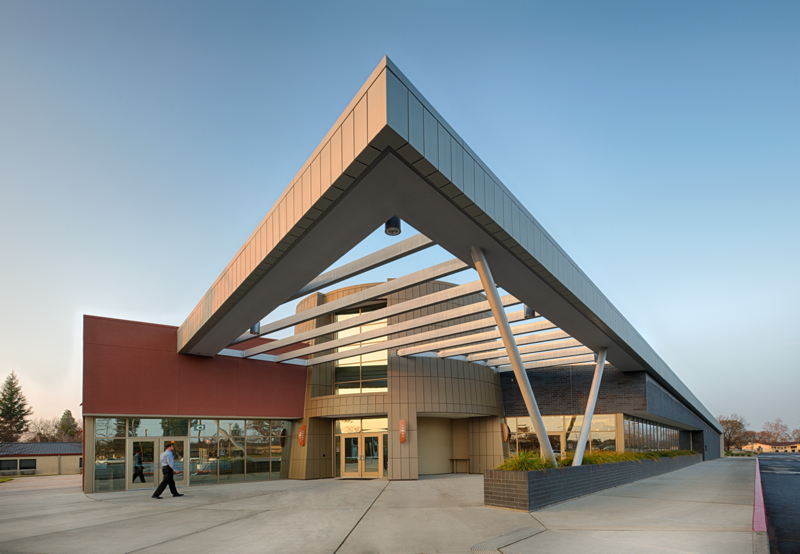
column 774, row 431
column 49, row 430
column 734, row 429
column 796, row 435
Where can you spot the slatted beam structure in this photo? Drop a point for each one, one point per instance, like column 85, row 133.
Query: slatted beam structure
column 391, row 153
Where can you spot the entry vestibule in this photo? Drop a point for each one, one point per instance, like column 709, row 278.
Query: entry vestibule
column 361, row 448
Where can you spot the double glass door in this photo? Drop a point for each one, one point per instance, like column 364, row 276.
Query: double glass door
column 143, row 462
column 361, row 455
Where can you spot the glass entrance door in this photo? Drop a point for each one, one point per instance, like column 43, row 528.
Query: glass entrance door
column 361, row 456
column 142, row 464
column 371, row 457
column 351, row 456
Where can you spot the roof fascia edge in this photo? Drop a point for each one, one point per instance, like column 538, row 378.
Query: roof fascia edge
column 628, row 335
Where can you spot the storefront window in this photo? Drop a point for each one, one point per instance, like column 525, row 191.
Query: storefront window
column 107, row 427
column 158, row 427
column 204, row 460
column 109, row 465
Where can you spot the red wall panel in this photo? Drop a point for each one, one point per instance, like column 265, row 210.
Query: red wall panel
column 133, row 368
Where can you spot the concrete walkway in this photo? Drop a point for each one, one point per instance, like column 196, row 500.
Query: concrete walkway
column 705, row 508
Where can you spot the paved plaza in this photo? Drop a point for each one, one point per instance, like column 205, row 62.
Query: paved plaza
column 706, row 508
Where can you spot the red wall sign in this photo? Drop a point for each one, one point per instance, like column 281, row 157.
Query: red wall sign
column 402, row 430
column 301, row 436
column 504, row 428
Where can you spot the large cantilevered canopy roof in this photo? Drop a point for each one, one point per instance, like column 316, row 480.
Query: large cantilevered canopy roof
column 390, row 153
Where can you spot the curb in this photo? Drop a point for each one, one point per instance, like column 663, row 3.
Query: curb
column 759, row 515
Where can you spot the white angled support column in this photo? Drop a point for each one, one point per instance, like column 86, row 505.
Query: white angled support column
column 513, row 353
column 590, row 403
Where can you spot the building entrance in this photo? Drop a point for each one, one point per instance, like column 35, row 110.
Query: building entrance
column 361, row 450
column 362, row 456
column 143, row 462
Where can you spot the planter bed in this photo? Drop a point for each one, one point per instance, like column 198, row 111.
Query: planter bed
column 532, row 490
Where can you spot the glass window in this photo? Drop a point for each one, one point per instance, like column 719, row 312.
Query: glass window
column 8, row 465
column 257, row 428
column 365, row 373
column 140, row 427
column 604, row 422
column 109, row 465
column 231, row 460
column 553, row 423
column 203, row 428
column 27, row 464
column 572, row 443
column 258, row 458
column 374, row 425
column 573, row 423
column 524, row 425
column 109, row 427
column 604, row 440
column 231, row 427
column 512, row 424
column 346, row 426
column 203, row 461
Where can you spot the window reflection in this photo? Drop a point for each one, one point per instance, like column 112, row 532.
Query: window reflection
column 109, row 427
column 365, row 373
column 140, row 427
column 109, row 465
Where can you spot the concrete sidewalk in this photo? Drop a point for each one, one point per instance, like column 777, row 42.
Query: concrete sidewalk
column 705, row 508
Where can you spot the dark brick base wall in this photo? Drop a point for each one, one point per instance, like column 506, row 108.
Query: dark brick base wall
column 532, row 490
column 564, row 390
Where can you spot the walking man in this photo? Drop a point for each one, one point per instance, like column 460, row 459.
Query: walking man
column 167, row 462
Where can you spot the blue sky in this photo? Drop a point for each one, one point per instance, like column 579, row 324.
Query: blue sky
column 658, row 142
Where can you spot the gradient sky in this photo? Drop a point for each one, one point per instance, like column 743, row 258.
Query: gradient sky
column 658, row 142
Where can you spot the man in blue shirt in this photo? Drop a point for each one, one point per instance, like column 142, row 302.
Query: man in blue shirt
column 167, row 462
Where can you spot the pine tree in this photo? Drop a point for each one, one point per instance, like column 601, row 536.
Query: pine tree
column 14, row 410
column 68, row 426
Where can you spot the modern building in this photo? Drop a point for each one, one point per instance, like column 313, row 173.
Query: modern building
column 40, row 458
column 394, row 379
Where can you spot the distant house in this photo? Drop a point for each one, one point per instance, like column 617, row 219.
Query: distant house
column 790, row 446
column 40, row 458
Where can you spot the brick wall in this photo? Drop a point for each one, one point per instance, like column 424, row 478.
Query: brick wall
column 564, row 390
column 532, row 490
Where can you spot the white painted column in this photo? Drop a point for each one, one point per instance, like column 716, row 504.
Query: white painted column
column 511, row 349
column 590, row 403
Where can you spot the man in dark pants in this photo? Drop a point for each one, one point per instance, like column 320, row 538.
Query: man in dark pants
column 167, row 462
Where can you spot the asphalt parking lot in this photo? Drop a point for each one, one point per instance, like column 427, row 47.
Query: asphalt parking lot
column 780, row 481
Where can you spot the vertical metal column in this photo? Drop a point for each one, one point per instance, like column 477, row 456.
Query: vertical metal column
column 511, row 349
column 590, row 403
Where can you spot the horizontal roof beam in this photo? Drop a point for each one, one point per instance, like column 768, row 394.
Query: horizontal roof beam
column 419, row 337
column 381, row 257
column 548, row 355
column 588, row 358
column 446, row 295
column 542, row 346
column 433, row 319
column 407, row 281
column 262, row 357
column 478, row 337
column 497, row 347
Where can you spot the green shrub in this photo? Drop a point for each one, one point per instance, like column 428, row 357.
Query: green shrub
column 525, row 460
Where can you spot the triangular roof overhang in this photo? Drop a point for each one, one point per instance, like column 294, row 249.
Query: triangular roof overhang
column 391, row 153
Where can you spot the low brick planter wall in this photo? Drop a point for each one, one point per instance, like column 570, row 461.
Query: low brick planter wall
column 531, row 490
